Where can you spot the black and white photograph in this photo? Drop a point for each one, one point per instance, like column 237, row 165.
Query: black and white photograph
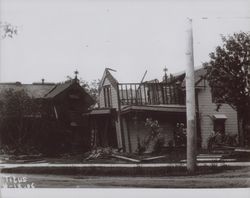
column 124, row 95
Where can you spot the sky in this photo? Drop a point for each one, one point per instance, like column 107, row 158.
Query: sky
column 57, row 37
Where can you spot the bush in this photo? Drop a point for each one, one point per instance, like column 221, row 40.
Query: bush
column 217, row 139
column 154, row 141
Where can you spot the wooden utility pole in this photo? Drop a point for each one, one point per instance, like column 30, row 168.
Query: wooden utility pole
column 190, row 101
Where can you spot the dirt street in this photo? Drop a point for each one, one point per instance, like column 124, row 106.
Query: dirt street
column 238, row 178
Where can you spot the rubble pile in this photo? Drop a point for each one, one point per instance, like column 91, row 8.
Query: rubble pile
column 100, row 153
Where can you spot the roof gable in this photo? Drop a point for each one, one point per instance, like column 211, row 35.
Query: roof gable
column 109, row 76
column 57, row 89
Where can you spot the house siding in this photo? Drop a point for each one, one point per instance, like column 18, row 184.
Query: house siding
column 114, row 97
column 114, row 104
column 138, row 130
column 207, row 109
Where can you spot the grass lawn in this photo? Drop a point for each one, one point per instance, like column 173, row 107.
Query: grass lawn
column 166, row 156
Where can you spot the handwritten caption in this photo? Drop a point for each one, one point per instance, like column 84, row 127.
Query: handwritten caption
column 16, row 182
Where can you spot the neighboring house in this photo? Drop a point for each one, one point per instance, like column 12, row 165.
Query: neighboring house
column 165, row 102
column 64, row 103
column 211, row 117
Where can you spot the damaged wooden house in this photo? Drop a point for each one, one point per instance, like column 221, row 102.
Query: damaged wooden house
column 54, row 124
column 126, row 106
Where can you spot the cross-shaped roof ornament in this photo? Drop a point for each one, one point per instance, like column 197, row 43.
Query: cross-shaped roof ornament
column 165, row 70
column 165, row 73
column 76, row 73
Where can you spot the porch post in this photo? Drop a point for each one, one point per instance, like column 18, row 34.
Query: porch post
column 190, row 101
column 120, row 134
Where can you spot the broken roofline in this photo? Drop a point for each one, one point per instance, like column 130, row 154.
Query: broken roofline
column 170, row 91
column 107, row 74
column 151, row 93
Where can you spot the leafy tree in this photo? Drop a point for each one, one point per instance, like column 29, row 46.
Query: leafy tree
column 154, row 140
column 92, row 88
column 17, row 110
column 7, row 30
column 228, row 75
column 27, row 126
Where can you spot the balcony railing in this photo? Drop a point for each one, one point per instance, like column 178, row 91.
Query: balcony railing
column 150, row 93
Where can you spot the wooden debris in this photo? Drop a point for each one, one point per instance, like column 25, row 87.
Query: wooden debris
column 153, row 158
column 125, row 158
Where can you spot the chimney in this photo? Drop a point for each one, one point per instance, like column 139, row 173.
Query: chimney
column 42, row 80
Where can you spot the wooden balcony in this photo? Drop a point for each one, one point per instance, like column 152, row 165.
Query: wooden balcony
column 151, row 94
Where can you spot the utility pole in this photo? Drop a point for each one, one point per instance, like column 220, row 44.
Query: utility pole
column 190, row 101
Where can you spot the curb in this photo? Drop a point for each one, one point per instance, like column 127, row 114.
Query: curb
column 131, row 165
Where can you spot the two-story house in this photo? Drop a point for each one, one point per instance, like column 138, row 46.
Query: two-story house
column 135, row 102
column 165, row 102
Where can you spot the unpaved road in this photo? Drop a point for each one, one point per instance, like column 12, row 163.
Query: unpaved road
column 238, row 178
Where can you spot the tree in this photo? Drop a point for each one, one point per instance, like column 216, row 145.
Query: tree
column 91, row 88
column 17, row 112
column 27, row 126
column 7, row 30
column 228, row 75
column 153, row 141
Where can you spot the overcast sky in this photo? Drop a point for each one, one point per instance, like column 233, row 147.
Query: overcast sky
column 56, row 37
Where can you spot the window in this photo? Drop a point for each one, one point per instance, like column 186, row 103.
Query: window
column 219, row 123
column 107, row 95
column 219, row 126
